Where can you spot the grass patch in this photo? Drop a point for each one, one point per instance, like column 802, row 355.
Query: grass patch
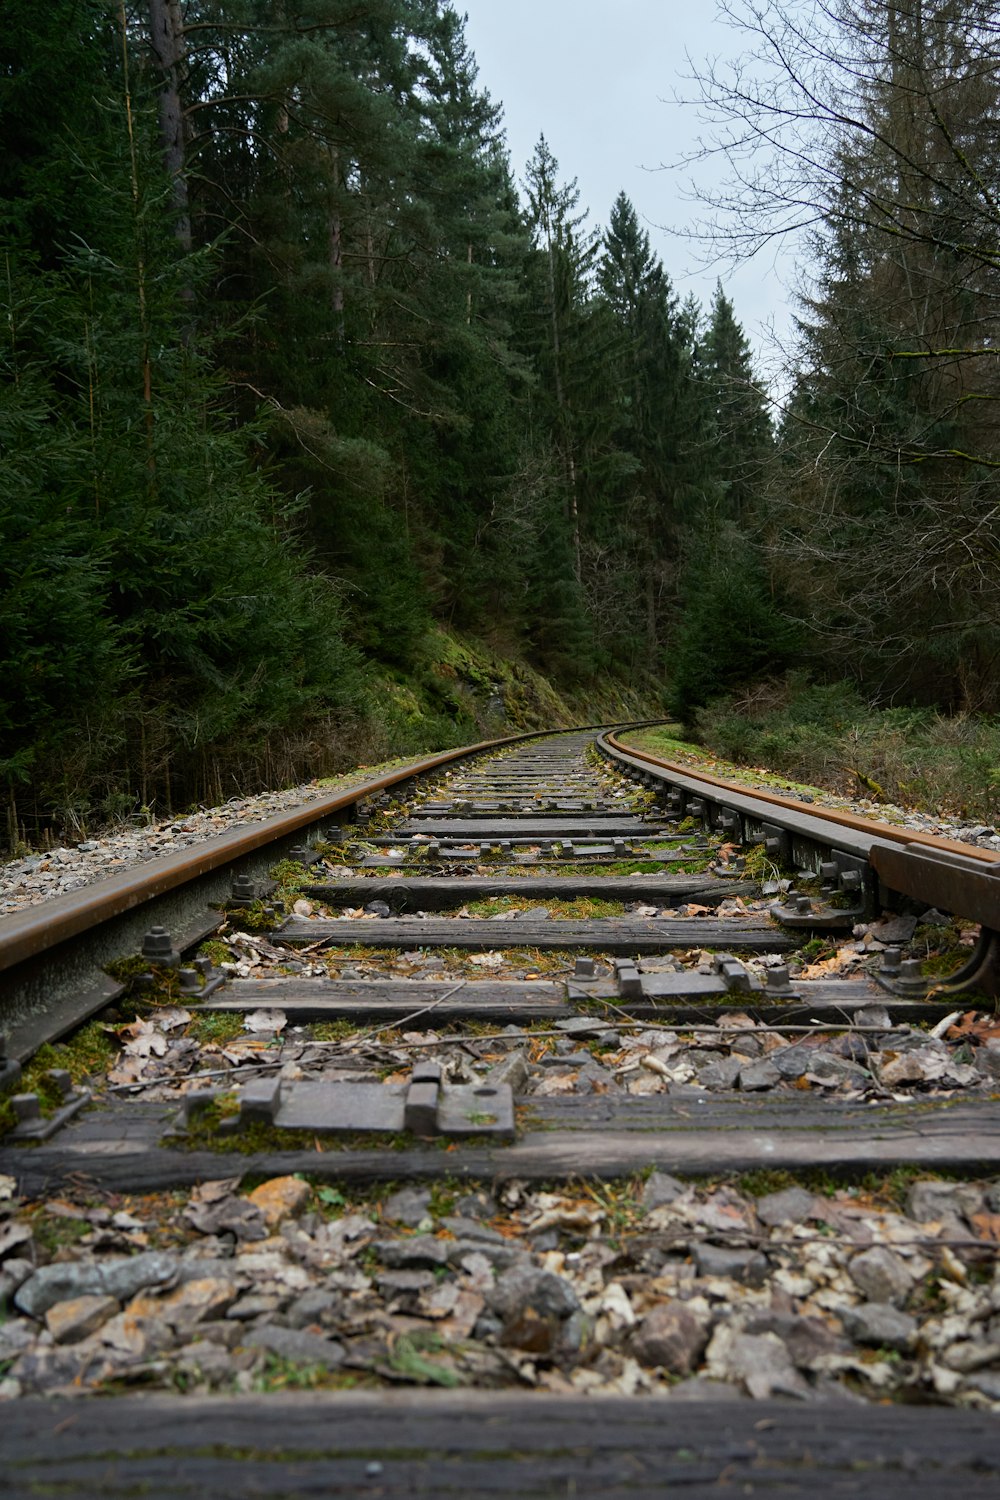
column 54, row 1233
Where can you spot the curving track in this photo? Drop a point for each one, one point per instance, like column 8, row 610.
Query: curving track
column 476, row 970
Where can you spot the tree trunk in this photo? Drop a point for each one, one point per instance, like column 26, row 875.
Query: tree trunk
column 336, row 248
column 166, row 34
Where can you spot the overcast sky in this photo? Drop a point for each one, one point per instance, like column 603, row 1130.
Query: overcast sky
column 597, row 77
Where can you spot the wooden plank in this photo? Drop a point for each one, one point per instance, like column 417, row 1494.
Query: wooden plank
column 629, row 935
column 483, row 812
column 115, row 1150
column 689, row 846
column 589, row 826
column 434, row 893
column 597, row 855
column 458, row 1444
column 391, row 1000
column 523, row 1001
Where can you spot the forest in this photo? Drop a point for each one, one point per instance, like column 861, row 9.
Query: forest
column 298, row 367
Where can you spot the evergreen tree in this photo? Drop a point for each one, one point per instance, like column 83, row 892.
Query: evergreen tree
column 741, row 424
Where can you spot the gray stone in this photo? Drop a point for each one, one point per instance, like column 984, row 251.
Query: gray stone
column 793, row 1062
column 499, row 1255
column 410, row 1206
column 879, row 1324
column 476, row 1206
column 670, row 1337
column 595, row 1078
column 834, row 1070
column 231, row 1215
column 582, row 1028
column 16, row 1335
column 928, row 1200
column 527, row 1286
column 741, row 1265
column 564, row 1057
column 69, row 1322
column 721, row 1075
column 705, row 1057
column 256, row 1305
column 15, row 1237
column 120, row 1278
column 316, row 1306
column 225, row 1333
column 421, row 1252
column 660, row 1188
column 987, row 1059
column 791, row 1206
column 987, row 1382
column 895, row 929
column 881, row 1275
column 758, row 1075
column 470, row 1229
column 488, row 1326
column 207, row 1363
column 745, row 1044
column 49, row 1368
column 759, row 1362
column 873, row 1015
column 405, row 1283
column 808, row 1340
column 15, row 1273
column 296, row 1345
column 514, row 1071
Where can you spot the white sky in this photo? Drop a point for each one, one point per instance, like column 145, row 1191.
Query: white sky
column 597, row 77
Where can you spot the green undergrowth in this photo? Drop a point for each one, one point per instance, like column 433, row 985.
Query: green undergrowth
column 824, row 735
column 456, row 689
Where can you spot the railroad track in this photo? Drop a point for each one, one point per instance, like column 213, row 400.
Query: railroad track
column 519, row 982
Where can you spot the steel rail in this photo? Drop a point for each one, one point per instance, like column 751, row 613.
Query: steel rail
column 923, row 867
column 869, row 827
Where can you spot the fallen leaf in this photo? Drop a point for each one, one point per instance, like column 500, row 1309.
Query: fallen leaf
column 987, row 1226
column 980, row 1028
column 271, row 1021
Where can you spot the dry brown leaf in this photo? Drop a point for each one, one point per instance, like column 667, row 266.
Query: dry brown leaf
column 987, row 1226
column 979, row 1027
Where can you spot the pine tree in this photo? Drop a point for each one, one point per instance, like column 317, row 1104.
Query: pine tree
column 741, row 424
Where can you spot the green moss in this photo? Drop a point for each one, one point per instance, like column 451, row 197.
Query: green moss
column 216, row 951
column 332, row 1031
column 582, row 908
column 205, row 1133
column 54, row 1233
column 216, row 1027
column 86, row 1056
column 146, row 984
column 817, row 950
